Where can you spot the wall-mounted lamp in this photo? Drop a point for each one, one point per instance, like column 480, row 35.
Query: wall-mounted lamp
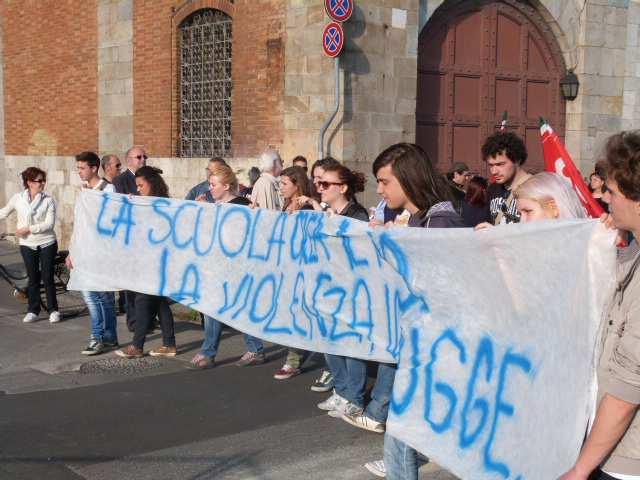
column 569, row 86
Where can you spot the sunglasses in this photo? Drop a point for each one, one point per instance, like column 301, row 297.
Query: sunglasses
column 118, row 165
column 39, row 180
column 325, row 185
column 140, row 157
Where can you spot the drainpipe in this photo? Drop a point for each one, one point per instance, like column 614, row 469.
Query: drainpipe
column 324, row 128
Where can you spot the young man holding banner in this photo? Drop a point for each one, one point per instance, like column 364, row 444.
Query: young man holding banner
column 406, row 180
column 612, row 448
column 505, row 153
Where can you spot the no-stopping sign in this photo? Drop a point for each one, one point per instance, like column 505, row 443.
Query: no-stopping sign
column 339, row 10
column 333, row 39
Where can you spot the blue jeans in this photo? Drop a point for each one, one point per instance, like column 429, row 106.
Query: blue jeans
column 381, row 394
column 349, row 377
column 102, row 310
column 400, row 460
column 212, row 333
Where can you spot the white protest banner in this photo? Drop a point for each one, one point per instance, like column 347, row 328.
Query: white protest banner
column 496, row 329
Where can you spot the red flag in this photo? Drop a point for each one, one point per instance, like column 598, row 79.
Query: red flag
column 558, row 160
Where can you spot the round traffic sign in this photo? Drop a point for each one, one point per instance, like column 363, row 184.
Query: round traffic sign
column 339, row 10
column 333, row 39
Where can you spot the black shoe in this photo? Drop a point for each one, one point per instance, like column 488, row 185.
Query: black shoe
column 113, row 344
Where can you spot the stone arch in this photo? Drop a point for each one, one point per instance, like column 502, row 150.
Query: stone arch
column 511, row 61
column 191, row 6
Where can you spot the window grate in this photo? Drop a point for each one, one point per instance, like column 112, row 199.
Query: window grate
column 205, row 84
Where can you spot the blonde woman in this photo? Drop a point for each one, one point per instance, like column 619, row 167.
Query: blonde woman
column 546, row 196
column 223, row 185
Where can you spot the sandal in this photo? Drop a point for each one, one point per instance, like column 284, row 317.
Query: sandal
column 201, row 362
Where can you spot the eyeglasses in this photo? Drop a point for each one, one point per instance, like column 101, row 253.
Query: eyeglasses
column 39, row 180
column 325, row 185
column 140, row 157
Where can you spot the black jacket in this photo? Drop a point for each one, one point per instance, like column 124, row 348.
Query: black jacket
column 441, row 215
column 126, row 183
column 355, row 210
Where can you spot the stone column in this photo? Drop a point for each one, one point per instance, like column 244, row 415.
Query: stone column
column 115, row 76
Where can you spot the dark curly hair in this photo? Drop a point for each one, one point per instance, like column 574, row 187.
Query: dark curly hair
column 622, row 153
column 323, row 163
column 507, row 143
column 30, row 174
column 353, row 180
column 152, row 175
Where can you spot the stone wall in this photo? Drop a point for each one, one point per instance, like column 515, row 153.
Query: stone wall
column 377, row 82
column 115, row 76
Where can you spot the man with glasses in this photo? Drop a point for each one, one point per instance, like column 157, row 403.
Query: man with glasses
column 202, row 190
column 111, row 167
column 126, row 181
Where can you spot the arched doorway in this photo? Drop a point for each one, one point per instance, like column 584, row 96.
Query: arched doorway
column 477, row 59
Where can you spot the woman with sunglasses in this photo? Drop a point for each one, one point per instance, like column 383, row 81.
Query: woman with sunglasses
column 36, row 211
column 337, row 186
column 151, row 184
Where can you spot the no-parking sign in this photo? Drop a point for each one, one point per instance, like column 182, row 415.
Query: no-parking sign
column 333, row 39
column 339, row 10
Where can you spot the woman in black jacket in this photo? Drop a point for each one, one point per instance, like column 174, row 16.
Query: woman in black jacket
column 149, row 182
column 337, row 187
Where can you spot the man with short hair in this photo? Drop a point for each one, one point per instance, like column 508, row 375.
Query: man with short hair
column 111, row 167
column 126, row 181
column 266, row 193
column 301, row 162
column 459, row 174
column 458, row 177
column 505, row 153
column 202, row 191
column 101, row 305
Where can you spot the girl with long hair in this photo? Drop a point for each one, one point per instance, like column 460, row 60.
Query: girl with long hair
column 150, row 183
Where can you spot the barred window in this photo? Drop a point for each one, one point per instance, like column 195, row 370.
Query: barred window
column 205, row 84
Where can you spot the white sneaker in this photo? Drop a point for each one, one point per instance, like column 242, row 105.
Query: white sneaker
column 346, row 408
column 30, row 318
column 55, row 317
column 360, row 420
column 333, row 402
column 377, row 468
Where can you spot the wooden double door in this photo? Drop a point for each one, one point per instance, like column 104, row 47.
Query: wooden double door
column 477, row 59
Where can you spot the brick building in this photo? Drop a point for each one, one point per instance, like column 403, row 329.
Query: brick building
column 191, row 78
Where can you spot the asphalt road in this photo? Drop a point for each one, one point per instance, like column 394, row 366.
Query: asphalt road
column 64, row 417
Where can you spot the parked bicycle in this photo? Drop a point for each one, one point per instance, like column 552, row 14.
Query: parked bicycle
column 16, row 277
